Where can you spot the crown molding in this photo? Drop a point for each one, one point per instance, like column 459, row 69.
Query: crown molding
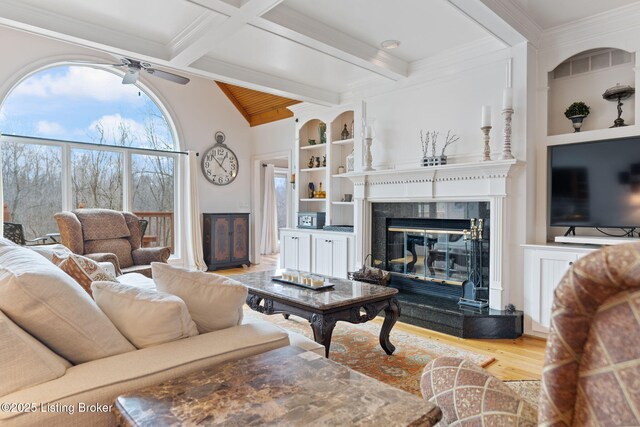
column 597, row 29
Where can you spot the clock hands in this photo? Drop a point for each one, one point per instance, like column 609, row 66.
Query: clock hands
column 220, row 164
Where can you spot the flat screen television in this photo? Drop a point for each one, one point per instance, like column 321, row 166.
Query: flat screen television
column 595, row 184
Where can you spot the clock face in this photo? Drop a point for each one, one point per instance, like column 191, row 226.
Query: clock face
column 220, row 165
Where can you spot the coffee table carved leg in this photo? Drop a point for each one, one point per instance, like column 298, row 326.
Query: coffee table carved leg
column 391, row 314
column 322, row 327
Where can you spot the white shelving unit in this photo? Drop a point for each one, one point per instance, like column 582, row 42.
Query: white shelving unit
column 335, row 151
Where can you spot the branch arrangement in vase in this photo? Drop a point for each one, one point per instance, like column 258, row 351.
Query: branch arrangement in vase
column 429, row 139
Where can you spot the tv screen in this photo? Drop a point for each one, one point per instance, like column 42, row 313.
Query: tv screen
column 595, row 184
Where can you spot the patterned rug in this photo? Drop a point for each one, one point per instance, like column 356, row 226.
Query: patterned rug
column 357, row 347
column 529, row 390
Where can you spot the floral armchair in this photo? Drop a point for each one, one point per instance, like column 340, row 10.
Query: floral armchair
column 591, row 373
column 109, row 236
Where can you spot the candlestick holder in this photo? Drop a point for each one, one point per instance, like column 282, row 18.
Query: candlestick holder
column 487, row 148
column 368, row 159
column 506, row 147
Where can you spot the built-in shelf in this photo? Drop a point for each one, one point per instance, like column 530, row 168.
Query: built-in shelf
column 595, row 134
column 313, row 147
column 343, row 142
column 340, row 175
column 314, row 200
column 343, row 203
column 313, row 169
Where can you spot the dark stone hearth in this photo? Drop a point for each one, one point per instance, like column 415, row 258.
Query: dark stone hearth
column 446, row 316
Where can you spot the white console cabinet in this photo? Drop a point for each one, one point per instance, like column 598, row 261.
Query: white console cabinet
column 295, row 250
column 330, row 255
column 317, row 251
column 544, row 267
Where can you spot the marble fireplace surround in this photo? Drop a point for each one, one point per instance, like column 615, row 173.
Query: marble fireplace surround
column 464, row 182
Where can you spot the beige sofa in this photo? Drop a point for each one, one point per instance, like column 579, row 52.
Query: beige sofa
column 83, row 395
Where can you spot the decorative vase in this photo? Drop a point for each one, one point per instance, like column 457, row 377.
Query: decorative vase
column 350, row 162
column 577, row 122
column 322, row 129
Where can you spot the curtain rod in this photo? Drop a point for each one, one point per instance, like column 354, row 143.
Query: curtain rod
column 93, row 144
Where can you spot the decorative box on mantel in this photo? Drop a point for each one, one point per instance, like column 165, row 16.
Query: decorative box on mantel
column 486, row 181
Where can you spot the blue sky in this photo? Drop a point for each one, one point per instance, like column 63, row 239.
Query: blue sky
column 67, row 102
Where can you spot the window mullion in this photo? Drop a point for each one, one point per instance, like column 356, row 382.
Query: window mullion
column 127, row 182
column 67, row 196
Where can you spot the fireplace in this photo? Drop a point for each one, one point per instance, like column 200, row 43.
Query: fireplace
column 437, row 252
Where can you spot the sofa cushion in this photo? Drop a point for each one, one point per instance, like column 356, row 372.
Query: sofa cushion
column 120, row 247
column 83, row 270
column 215, row 302
column 48, row 251
column 51, row 306
column 101, row 381
column 101, row 224
column 144, row 317
column 24, row 361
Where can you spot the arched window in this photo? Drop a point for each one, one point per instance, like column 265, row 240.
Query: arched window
column 75, row 136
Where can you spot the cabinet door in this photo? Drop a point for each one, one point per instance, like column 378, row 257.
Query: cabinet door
column 289, row 251
column 221, row 239
column 304, row 252
column 545, row 269
column 240, row 238
column 339, row 257
column 322, row 255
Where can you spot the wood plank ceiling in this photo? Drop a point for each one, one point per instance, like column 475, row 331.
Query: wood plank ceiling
column 258, row 107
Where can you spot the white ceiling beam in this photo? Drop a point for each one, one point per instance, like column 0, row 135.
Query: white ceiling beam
column 201, row 42
column 36, row 21
column 257, row 80
column 306, row 31
column 504, row 20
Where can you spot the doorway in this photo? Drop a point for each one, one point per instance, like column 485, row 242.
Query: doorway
column 267, row 224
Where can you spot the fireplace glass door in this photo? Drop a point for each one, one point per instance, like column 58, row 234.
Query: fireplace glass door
column 436, row 255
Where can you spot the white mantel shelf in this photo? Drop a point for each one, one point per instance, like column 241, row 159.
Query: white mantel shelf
column 454, row 180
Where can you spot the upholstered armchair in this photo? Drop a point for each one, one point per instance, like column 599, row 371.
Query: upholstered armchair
column 108, row 236
column 591, row 373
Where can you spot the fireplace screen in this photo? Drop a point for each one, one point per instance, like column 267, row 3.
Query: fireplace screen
column 438, row 255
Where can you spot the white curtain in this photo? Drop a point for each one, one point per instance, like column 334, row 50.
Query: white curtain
column 193, row 224
column 269, row 238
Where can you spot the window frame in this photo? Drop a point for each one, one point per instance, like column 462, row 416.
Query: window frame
column 127, row 172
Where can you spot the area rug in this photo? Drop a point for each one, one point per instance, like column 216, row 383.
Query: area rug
column 357, row 347
column 529, row 390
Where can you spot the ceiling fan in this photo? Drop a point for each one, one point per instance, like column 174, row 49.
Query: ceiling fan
column 133, row 71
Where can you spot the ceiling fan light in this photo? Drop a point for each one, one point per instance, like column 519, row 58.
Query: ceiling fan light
column 390, row 44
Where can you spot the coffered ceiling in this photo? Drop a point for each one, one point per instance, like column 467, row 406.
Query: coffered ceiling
column 306, row 50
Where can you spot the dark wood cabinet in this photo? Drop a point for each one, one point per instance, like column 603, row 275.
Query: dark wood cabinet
column 226, row 239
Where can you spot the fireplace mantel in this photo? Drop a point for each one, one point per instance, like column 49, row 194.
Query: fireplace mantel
column 479, row 181
column 466, row 180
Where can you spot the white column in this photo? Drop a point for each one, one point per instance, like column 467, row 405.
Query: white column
column 498, row 241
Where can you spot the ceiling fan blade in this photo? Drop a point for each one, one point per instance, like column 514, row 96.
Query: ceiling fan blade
column 98, row 63
column 168, row 76
column 130, row 77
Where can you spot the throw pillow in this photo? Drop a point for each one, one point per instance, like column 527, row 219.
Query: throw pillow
column 24, row 361
column 215, row 302
column 83, row 270
column 144, row 317
column 47, row 303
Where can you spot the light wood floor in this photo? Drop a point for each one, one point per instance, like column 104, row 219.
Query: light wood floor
column 518, row 359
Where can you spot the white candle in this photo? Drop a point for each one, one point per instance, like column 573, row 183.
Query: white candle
column 486, row 115
column 368, row 132
column 509, row 73
column 507, row 98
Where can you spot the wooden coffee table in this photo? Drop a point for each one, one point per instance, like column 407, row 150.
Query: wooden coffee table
column 283, row 387
column 349, row 301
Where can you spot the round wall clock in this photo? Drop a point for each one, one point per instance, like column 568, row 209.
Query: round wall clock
column 219, row 163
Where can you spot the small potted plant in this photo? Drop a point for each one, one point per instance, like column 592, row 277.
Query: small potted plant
column 576, row 112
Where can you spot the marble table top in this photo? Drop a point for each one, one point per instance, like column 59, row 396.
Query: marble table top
column 284, row 387
column 344, row 293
